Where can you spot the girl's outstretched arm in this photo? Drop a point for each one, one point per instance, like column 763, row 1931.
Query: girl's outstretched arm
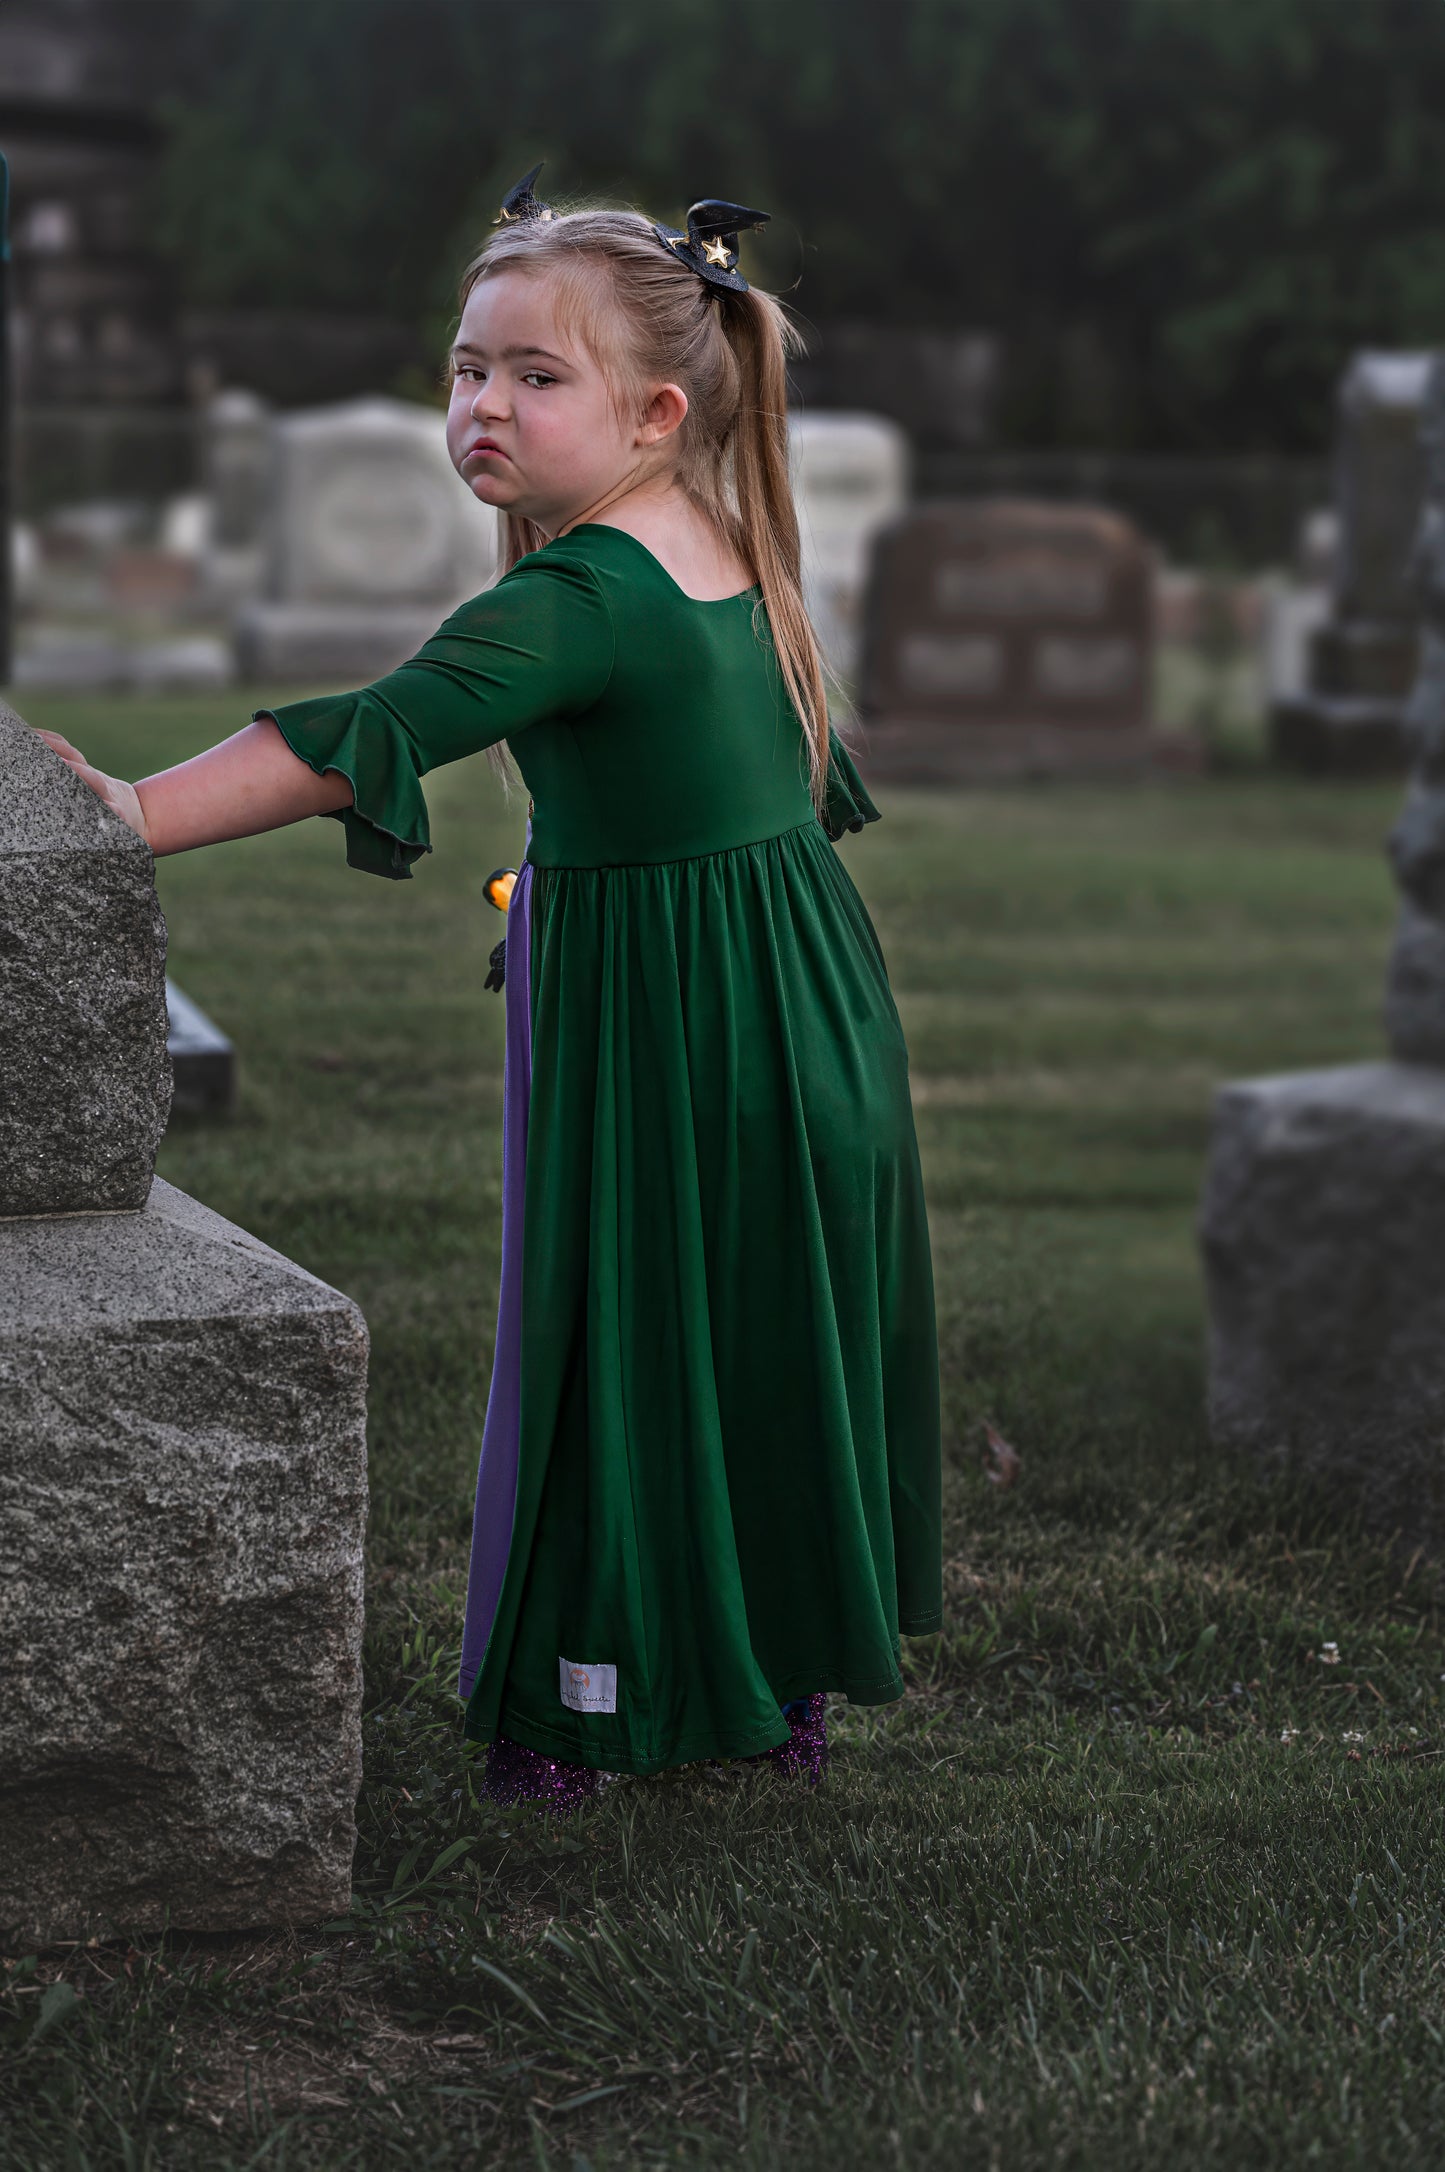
column 250, row 782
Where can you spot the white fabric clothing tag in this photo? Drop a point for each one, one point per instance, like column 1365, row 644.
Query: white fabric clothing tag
column 588, row 1688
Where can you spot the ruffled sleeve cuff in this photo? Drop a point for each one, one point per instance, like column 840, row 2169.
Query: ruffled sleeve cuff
column 847, row 806
column 356, row 735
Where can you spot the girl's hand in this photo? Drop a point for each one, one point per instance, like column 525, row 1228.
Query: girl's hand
column 121, row 798
column 249, row 783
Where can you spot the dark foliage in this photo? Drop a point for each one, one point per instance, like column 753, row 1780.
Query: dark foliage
column 1180, row 218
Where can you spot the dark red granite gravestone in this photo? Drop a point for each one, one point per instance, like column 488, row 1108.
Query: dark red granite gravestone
column 1008, row 637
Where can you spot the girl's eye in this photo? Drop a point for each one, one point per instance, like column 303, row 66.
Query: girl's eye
column 537, row 377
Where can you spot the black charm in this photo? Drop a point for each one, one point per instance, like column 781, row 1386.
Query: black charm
column 519, row 202
column 710, row 245
column 498, row 963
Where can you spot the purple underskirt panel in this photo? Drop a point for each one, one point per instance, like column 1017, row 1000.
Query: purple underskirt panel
column 497, row 1473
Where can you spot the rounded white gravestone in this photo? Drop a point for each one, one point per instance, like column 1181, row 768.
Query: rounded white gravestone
column 366, row 508
column 850, row 478
column 384, row 529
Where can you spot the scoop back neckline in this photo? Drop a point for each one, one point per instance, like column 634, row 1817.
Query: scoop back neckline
column 702, row 603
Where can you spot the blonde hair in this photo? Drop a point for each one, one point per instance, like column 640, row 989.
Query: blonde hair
column 648, row 319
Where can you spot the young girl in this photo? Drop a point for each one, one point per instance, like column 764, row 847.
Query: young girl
column 710, row 1477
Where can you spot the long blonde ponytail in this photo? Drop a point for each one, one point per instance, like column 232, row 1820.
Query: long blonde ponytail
column 647, row 319
column 761, row 338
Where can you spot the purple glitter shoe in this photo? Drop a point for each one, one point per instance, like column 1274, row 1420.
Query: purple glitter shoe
column 514, row 1774
column 805, row 1753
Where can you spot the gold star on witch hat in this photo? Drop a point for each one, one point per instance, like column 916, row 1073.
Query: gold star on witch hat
column 710, row 245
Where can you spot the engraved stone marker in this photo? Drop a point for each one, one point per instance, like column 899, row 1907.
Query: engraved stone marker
column 371, row 539
column 1006, row 636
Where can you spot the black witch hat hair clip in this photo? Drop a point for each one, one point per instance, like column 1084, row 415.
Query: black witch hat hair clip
column 519, row 203
column 710, row 245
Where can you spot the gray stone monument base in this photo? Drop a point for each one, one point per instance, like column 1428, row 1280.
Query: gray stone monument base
column 1321, row 1227
column 329, row 643
column 1339, row 734
column 182, row 1501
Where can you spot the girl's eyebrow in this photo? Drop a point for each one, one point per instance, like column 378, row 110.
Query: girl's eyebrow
column 509, row 354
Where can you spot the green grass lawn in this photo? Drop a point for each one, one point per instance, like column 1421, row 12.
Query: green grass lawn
column 1130, row 1876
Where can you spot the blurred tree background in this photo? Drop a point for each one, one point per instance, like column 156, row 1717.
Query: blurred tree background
column 1179, row 215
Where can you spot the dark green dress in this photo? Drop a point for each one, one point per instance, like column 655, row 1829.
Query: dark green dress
column 726, row 1480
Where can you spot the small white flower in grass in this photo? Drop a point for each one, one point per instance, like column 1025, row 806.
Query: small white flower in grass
column 1353, row 1734
column 1328, row 1655
column 1287, row 1735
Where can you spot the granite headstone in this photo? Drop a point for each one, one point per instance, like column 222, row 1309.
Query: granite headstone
column 371, row 538
column 1004, row 636
column 82, row 1051
column 182, row 1453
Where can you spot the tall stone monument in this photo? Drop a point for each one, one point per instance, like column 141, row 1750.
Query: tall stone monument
column 1323, row 1217
column 182, row 1451
column 371, row 538
column 1362, row 659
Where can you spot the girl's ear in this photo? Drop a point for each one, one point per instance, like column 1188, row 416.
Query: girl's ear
column 663, row 414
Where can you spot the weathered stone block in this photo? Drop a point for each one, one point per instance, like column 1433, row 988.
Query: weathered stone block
column 203, row 1061
column 1352, row 735
column 87, row 1082
column 182, row 1503
column 1321, row 1226
column 1358, row 657
column 315, row 644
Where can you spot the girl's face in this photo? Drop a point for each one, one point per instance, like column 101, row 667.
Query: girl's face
column 531, row 428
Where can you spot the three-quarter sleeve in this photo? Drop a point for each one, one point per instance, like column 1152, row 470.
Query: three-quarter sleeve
column 847, row 806
column 537, row 646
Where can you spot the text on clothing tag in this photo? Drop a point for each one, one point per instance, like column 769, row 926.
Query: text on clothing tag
column 588, row 1688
